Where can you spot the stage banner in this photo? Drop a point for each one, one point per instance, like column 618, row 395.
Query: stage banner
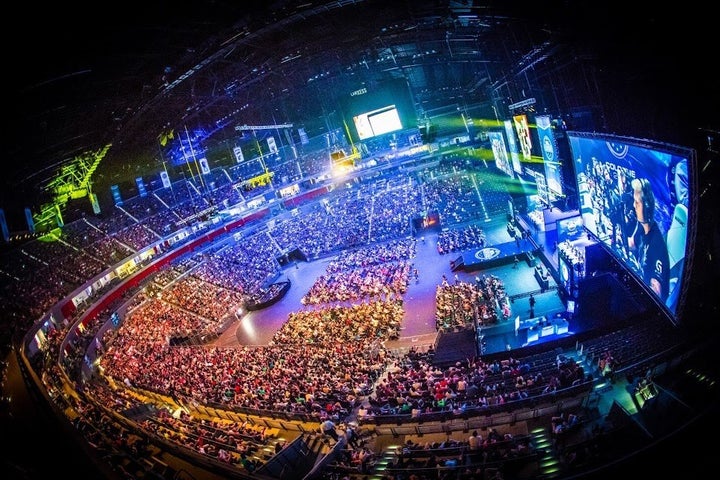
column 95, row 204
column 239, row 157
column 523, row 133
column 165, row 179
column 513, row 147
column 304, row 140
column 142, row 191
column 204, row 167
column 553, row 174
column 272, row 146
column 29, row 220
column 3, row 225
column 115, row 190
column 497, row 142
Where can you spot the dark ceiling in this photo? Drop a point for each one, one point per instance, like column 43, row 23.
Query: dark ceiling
column 85, row 78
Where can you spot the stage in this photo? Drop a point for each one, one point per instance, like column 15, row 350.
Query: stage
column 533, row 331
column 461, row 344
column 496, row 255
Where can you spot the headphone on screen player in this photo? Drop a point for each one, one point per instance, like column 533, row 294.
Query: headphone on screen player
column 648, row 200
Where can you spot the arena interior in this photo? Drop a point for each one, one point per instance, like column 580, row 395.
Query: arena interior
column 360, row 240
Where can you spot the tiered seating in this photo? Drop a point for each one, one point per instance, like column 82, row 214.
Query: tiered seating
column 244, row 265
column 142, row 208
column 455, row 459
column 237, row 384
column 455, row 197
column 492, row 184
column 629, row 346
column 115, row 221
column 392, row 211
column 416, row 391
column 137, row 236
column 82, row 233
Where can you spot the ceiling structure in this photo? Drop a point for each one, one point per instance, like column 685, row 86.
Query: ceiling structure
column 125, row 78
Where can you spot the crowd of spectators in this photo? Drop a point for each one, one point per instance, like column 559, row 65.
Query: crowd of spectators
column 245, row 264
column 391, row 251
column 88, row 237
column 240, row 444
column 70, row 262
column 414, row 386
column 462, row 206
column 319, row 373
column 291, row 378
column 473, row 453
column 322, row 361
column 460, row 238
column 350, row 217
column 388, row 280
column 137, row 236
column 202, row 298
column 377, row 319
column 393, row 209
column 465, row 305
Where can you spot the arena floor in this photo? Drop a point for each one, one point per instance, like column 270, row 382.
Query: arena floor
column 418, row 328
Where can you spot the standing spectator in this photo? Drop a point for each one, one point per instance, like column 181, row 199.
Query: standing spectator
column 474, row 440
column 351, row 436
column 532, row 305
column 328, row 428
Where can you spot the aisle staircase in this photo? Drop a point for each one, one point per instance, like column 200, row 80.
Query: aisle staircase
column 548, row 462
column 386, row 458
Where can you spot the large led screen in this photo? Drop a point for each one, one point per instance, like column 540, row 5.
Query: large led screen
column 523, row 132
column 497, row 142
column 378, row 122
column 548, row 147
column 514, row 153
column 377, row 109
column 636, row 197
column 569, row 229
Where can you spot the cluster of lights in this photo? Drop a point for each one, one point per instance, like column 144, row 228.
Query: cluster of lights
column 226, row 119
column 319, row 76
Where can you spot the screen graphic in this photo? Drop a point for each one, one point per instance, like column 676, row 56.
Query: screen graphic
column 523, row 132
column 497, row 142
column 548, row 147
column 377, row 109
column 514, row 154
column 377, row 122
column 635, row 197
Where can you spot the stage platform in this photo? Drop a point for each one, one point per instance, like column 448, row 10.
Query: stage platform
column 530, row 332
column 458, row 346
column 496, row 255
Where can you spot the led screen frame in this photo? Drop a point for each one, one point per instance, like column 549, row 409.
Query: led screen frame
column 377, row 109
column 666, row 175
column 377, row 122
